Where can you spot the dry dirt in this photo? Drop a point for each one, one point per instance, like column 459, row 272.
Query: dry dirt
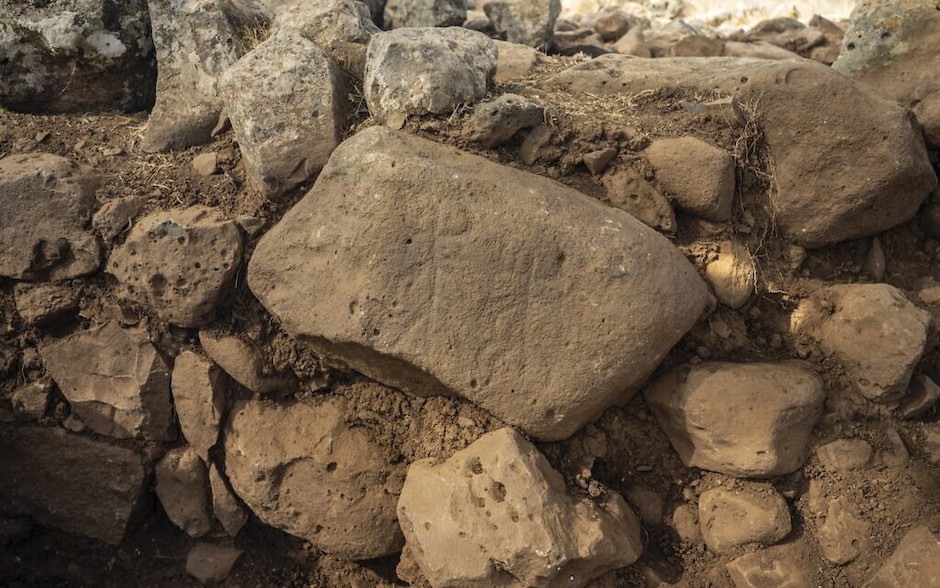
column 626, row 446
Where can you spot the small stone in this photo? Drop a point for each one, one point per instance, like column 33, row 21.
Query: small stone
column 496, row 122
column 844, row 535
column 514, row 62
column 777, row 567
column 112, row 151
column 31, row 401
column 424, row 13
column 928, row 290
column 921, row 397
column 225, row 506
column 537, row 139
column 932, row 443
column 41, row 303
column 74, row 424
column 895, row 455
column 732, row 275
column 42, row 136
column 915, row 562
column 730, row 518
column 697, row 46
column 631, row 192
column 206, row 164
column 183, row 489
column 845, row 455
column 580, row 40
column 633, row 43
column 527, row 22
column 117, row 216
column 243, row 362
column 613, row 23
column 725, row 110
column 647, row 503
column 685, row 522
column 697, row 175
column 875, row 262
column 199, row 396
column 211, row 563
column 597, row 161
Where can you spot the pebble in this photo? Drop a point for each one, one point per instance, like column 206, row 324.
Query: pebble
column 208, row 562
column 845, row 455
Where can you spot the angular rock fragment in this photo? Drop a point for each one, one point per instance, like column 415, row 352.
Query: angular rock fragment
column 116, row 216
column 494, row 123
column 70, row 482
column 527, row 22
column 820, row 198
column 872, row 329
column 497, row 514
column 32, row 400
column 629, row 191
column 698, row 176
column 424, row 13
column 183, row 490
column 730, row 518
column 779, row 567
column 115, row 381
column 181, row 262
column 514, row 62
column 199, row 397
column 303, row 470
column 242, row 361
column 41, row 303
column 426, row 71
column 733, row 275
column 287, row 102
column 747, row 420
column 225, row 506
column 47, row 202
column 211, row 563
column 80, row 56
column 398, row 269
column 915, row 562
column 844, row 535
column 922, row 396
column 195, row 41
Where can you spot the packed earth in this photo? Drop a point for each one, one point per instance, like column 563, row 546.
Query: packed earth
column 468, row 293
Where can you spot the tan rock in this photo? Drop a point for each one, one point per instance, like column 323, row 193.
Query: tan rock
column 779, row 567
column 915, row 562
column 733, row 276
column 117, row 215
column 211, row 563
column 697, row 175
column 497, row 514
column 30, row 402
column 845, row 454
column 685, row 522
column 922, row 396
column 206, row 164
column 41, row 303
column 514, row 62
column 844, row 535
column 199, row 396
column 733, row 517
column 629, row 191
column 225, row 506
column 183, row 490
column 242, row 361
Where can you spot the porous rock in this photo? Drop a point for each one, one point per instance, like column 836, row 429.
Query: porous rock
column 698, row 176
column 225, row 506
column 891, row 45
column 242, row 361
column 41, row 303
column 303, row 470
column 497, row 514
column 629, row 191
column 80, row 56
column 527, row 22
column 287, row 102
column 417, row 71
column 195, row 42
column 397, row 229
column 844, row 535
column 114, row 380
column 820, row 198
column 733, row 275
column 872, row 329
column 208, row 562
column 183, row 490
column 746, row 420
column 424, row 13
column 494, row 123
column 181, row 262
column 734, row 517
column 70, row 482
column 199, row 397
column 47, row 202
column 915, row 562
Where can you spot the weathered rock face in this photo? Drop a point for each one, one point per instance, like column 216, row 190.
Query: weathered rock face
column 301, row 469
column 242, row 361
column 845, row 454
column 747, row 420
column 844, row 535
column 915, row 562
column 195, row 41
column 225, row 506
column 873, row 330
column 820, row 197
column 629, row 191
column 426, row 70
column 117, row 215
column 79, row 56
column 396, row 238
column 210, row 563
column 199, row 398
column 730, row 518
column 43, row 303
column 497, row 514
column 424, row 13
column 514, row 61
column 47, row 201
column 892, row 46
column 287, row 103
column 183, row 490
column 697, row 175
column 115, row 381
column 181, row 262
column 527, row 22
column 70, row 482
column 342, row 28
column 780, row 567
column 494, row 123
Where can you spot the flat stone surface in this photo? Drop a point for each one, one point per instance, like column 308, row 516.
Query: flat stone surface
column 199, row 397
column 527, row 22
column 183, row 490
column 915, row 562
column 698, row 176
column 777, row 567
column 225, row 506
column 211, row 563
column 844, row 535
column 733, row 517
column 396, row 269
column 41, row 303
column 845, row 454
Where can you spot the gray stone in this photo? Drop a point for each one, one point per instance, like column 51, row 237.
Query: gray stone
column 845, row 454
column 497, row 514
column 733, row 517
column 698, row 176
column 41, row 303
column 872, row 329
column 303, row 470
column 199, row 397
column 211, row 563
column 225, row 506
column 287, row 102
column 424, row 13
column 820, row 198
column 527, row 22
column 115, row 381
column 47, row 202
column 844, row 535
column 117, row 216
column 398, row 271
column 195, row 41
column 76, row 56
column 777, row 567
column 743, row 420
column 183, row 490
column 181, row 262
column 427, row 71
column 496, row 122
column 73, row 483
column 915, row 562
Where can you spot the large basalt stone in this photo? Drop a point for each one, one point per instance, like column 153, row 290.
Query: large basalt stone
column 437, row 271
column 820, row 196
